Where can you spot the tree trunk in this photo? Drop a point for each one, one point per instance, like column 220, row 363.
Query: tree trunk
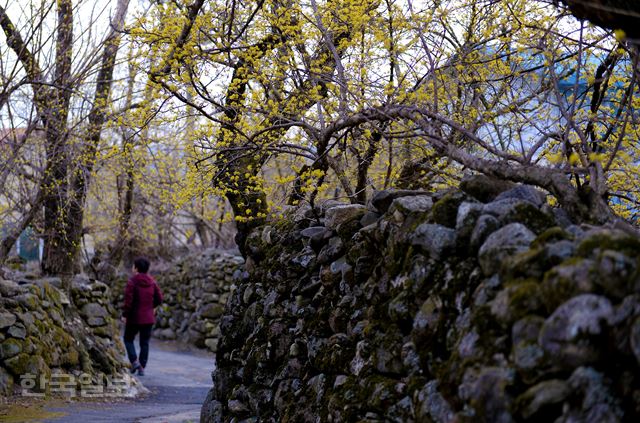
column 58, row 245
column 64, row 234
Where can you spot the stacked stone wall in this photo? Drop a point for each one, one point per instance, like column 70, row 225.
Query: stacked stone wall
column 479, row 304
column 196, row 288
column 48, row 337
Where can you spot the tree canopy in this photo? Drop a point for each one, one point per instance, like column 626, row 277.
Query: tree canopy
column 275, row 103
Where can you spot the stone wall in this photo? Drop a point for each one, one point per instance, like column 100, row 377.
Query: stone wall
column 483, row 304
column 44, row 332
column 196, row 288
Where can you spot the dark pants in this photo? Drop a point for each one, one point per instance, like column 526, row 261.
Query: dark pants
column 130, row 332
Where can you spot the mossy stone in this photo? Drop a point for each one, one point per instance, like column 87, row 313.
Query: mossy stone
column 531, row 216
column 484, row 188
column 19, row 364
column 445, row 211
column 10, row 348
column 574, row 276
column 555, row 233
column 6, row 319
column 525, row 298
column 527, row 264
column 609, row 239
column 535, row 262
column 516, row 301
column 28, row 301
column 346, row 229
column 619, row 274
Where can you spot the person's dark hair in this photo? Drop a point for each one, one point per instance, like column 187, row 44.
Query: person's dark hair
column 141, row 264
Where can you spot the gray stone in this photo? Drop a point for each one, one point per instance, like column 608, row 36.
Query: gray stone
column 96, row 321
column 6, row 319
column 211, row 411
column 561, row 217
column 237, row 407
column 9, row 348
column 516, row 300
column 53, row 281
column 369, row 218
column 312, row 231
column 94, row 310
column 212, row 311
column 468, row 214
column 505, row 242
column 385, row 360
column 6, row 383
column 341, row 214
column 503, row 207
column 331, row 251
column 486, row 291
column 298, row 214
column 527, row 356
column 570, row 333
column 212, row 344
column 617, row 274
column 526, row 329
column 435, row 239
column 248, row 294
column 329, row 204
column 64, row 300
column 544, row 394
column 412, row 204
column 398, row 308
column 381, row 200
column 410, row 358
column 484, row 188
column 485, row 226
column 467, row 347
column 80, row 281
column 266, row 234
column 487, row 389
column 28, row 301
column 428, row 317
column 558, row 251
column 9, row 288
column 569, row 279
column 317, row 385
column 167, row 334
column 526, row 193
column 401, row 411
column 598, row 402
column 304, row 259
column 17, row 331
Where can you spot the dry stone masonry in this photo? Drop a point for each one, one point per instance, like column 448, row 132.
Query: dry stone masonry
column 470, row 305
column 196, row 288
column 43, row 332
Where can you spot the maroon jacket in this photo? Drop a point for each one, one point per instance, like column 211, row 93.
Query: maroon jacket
column 141, row 296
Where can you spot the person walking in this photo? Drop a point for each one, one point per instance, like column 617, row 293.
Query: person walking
column 141, row 296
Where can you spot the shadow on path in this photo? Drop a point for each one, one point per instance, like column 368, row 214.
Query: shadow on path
column 178, row 381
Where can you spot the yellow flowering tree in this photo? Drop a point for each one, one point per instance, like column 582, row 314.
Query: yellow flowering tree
column 357, row 96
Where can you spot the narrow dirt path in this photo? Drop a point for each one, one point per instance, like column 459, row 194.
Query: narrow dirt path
column 178, row 380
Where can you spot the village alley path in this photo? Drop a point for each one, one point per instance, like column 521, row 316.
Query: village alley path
column 179, row 381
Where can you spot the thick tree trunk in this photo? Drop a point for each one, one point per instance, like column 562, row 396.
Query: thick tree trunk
column 64, row 234
column 58, row 245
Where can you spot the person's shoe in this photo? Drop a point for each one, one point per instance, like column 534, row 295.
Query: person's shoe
column 135, row 366
column 141, row 371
